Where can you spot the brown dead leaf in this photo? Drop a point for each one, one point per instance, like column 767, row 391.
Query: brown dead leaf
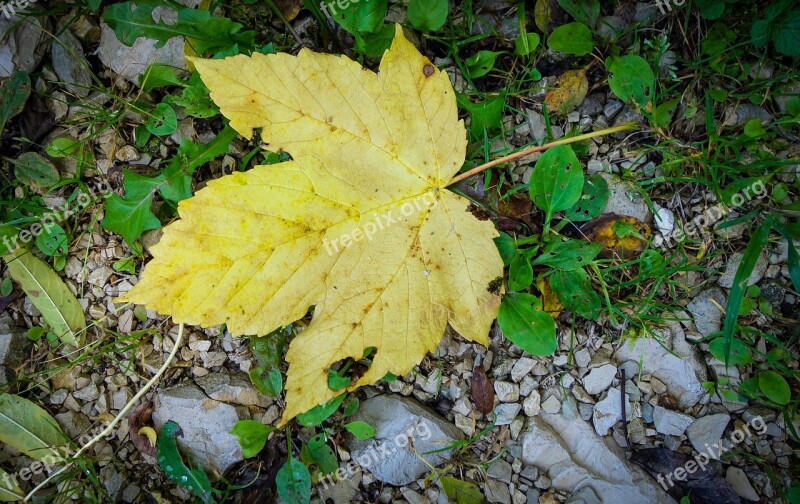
column 481, row 390
column 138, row 422
column 569, row 91
column 622, row 235
column 289, row 8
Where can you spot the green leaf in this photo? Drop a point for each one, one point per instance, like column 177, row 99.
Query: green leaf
column 485, row 116
column 317, row 453
column 169, row 459
column 9, row 490
column 665, row 112
column 269, row 382
column 361, row 430
column 294, row 482
column 30, row 429
column 568, row 255
column 206, row 32
column 163, row 120
column 427, row 15
column 740, row 354
column 375, row 44
column 574, row 290
column 130, row 215
column 320, row 413
column 63, row 147
column 481, row 63
column 13, row 95
column 506, row 246
column 34, row 171
column 572, row 38
column 526, row 325
column 158, row 76
column 364, row 16
column 557, row 180
column 584, row 11
column 760, row 32
column 194, row 155
column 527, row 43
column 632, row 79
column 754, row 129
column 252, row 436
column 757, row 242
column 718, row 39
column 53, row 240
column 351, row 407
column 6, row 287
column 592, row 202
column 710, row 9
column 127, row 265
column 49, row 295
column 195, row 99
column 520, row 273
column 774, row 387
column 462, row 492
column 786, row 34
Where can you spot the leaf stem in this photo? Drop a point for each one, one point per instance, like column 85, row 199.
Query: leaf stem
column 117, row 419
column 540, row 148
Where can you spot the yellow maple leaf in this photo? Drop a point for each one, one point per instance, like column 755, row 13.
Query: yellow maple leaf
column 359, row 224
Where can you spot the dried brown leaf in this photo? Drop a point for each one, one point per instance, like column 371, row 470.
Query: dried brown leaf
column 481, row 390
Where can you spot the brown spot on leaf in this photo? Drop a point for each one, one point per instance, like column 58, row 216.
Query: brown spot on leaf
column 427, row 70
column 494, row 285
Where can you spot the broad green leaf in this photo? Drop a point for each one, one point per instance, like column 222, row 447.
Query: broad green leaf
column 375, row 44
column 485, row 116
column 157, row 76
column 364, row 16
column 170, row 461
column 774, row 387
column 462, row 492
column 194, row 155
column 427, row 15
column 162, row 121
column 318, row 456
column 631, row 79
column 30, row 429
column 527, row 43
column 63, row 147
column 318, row 414
column 574, row 290
column 584, row 11
column 525, row 324
column 194, row 99
column 520, row 273
column 481, row 63
column 13, row 95
column 49, row 295
column 34, row 171
column 206, row 32
column 361, row 430
column 9, row 490
column 131, row 215
column 506, row 246
column 572, row 38
column 294, row 482
column 568, row 255
column 740, row 354
column 351, row 407
column 786, row 34
column 592, row 202
column 53, row 240
column 252, row 436
column 754, row 129
column 557, row 180
column 710, row 9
